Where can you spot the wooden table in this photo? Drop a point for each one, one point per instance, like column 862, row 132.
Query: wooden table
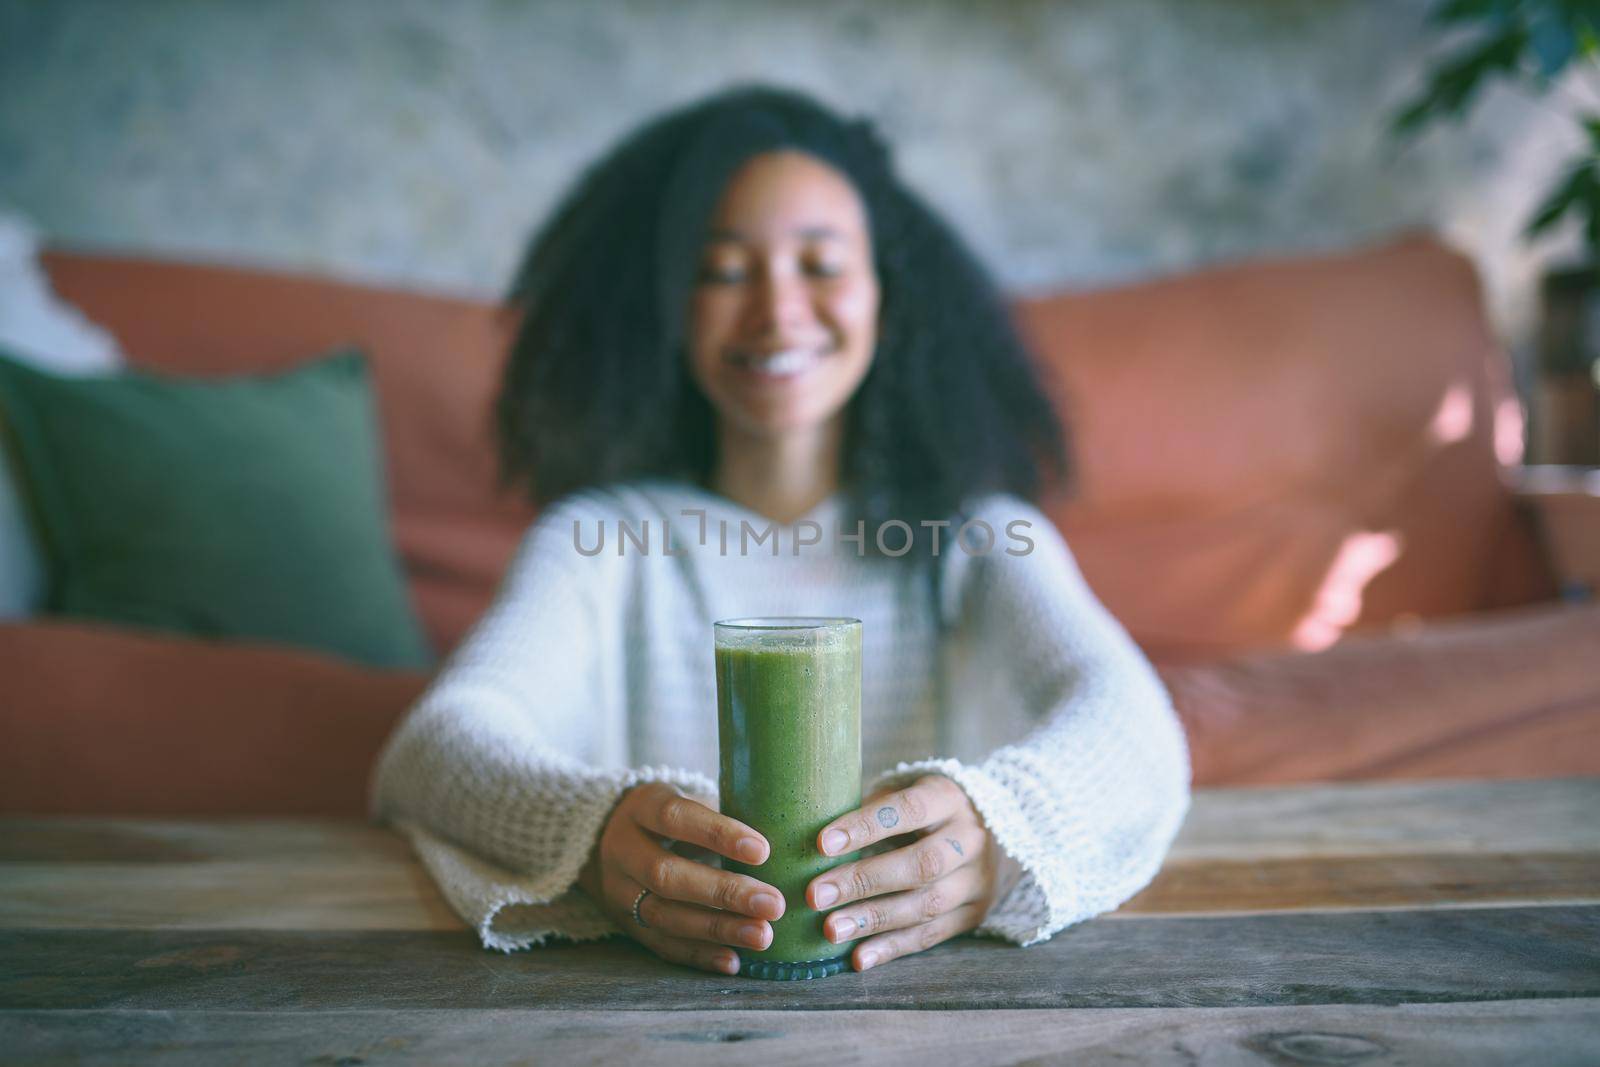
column 1431, row 923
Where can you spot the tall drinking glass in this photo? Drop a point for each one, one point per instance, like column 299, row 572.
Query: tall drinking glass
column 789, row 727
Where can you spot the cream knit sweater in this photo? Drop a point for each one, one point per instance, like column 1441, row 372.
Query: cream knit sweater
column 593, row 673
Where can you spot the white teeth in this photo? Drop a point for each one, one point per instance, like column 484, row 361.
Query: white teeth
column 789, row 362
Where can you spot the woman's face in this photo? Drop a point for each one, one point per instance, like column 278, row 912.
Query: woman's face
column 784, row 316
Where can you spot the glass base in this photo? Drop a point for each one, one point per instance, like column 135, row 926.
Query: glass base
column 782, row 971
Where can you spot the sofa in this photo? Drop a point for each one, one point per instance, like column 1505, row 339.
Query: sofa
column 1298, row 486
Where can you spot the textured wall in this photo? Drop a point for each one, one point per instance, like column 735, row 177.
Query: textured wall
column 1074, row 142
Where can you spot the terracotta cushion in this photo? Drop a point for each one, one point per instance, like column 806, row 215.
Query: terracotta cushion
column 1512, row 694
column 435, row 363
column 99, row 720
column 1275, row 452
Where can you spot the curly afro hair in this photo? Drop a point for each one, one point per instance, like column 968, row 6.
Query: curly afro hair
column 597, row 389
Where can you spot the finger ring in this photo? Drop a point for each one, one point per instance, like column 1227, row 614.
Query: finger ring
column 636, row 902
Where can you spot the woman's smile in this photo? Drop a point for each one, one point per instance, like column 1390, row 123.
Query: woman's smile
column 782, row 365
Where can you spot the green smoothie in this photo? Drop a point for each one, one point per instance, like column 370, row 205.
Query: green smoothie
column 789, row 726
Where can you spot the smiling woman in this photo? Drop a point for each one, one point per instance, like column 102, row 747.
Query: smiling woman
column 677, row 271
column 740, row 319
column 785, row 315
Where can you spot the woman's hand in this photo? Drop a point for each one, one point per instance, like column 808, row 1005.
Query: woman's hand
column 911, row 898
column 692, row 908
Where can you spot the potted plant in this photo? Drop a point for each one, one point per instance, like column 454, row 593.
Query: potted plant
column 1538, row 45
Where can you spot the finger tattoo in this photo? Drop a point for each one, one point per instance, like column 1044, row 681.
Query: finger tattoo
column 888, row 817
column 957, row 846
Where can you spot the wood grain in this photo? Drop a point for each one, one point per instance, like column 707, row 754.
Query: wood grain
column 1264, row 960
column 341, row 892
column 1388, row 818
column 1560, row 1033
column 77, row 873
column 1218, row 887
column 1244, row 850
column 350, row 893
column 1396, row 923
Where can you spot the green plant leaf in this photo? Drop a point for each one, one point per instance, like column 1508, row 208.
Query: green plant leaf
column 1529, row 41
column 1580, row 189
column 1587, row 30
column 1454, row 84
column 1553, row 43
column 1582, row 18
column 1454, row 11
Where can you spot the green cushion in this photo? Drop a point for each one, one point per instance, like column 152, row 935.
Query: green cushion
column 248, row 507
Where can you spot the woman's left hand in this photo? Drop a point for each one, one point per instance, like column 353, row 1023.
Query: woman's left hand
column 913, row 897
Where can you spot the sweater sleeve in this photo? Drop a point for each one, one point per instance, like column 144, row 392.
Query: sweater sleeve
column 499, row 774
column 1088, row 794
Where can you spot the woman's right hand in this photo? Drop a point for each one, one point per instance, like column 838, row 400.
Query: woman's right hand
column 693, row 909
